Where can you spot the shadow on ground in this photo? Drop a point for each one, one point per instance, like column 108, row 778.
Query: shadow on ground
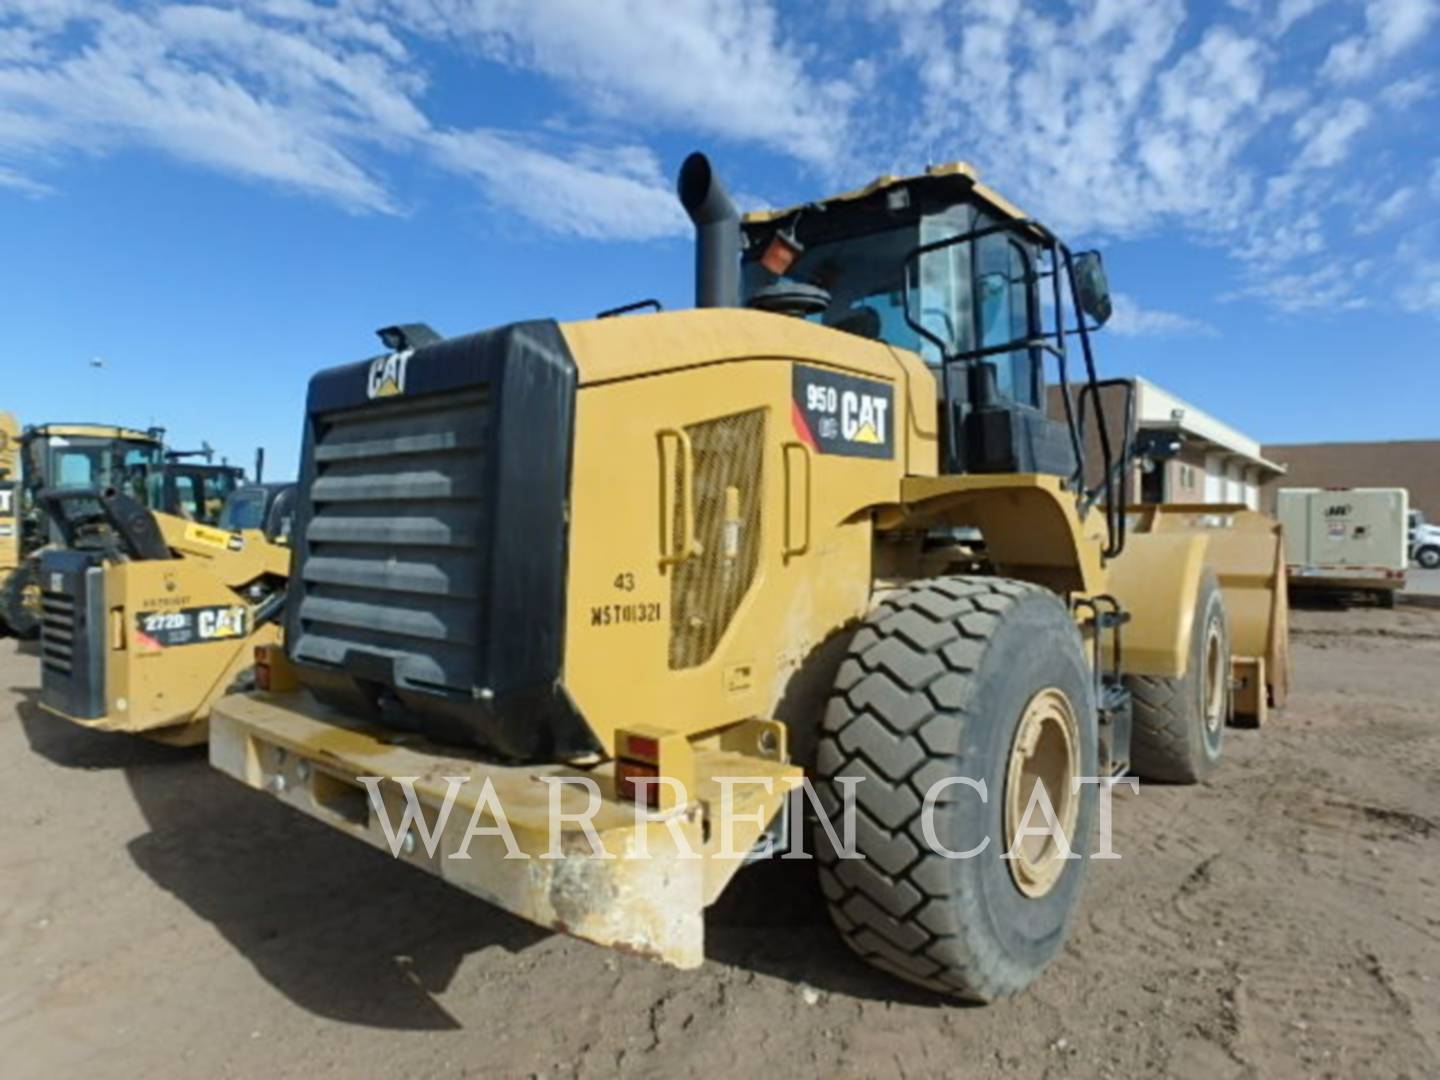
column 772, row 920
column 348, row 933
column 342, row 930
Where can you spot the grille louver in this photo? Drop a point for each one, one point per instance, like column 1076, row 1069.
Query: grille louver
column 394, row 559
column 57, row 644
column 427, row 590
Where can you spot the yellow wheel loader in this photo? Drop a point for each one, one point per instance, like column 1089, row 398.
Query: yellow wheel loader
column 585, row 605
column 147, row 618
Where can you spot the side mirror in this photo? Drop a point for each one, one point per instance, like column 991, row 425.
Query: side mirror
column 1092, row 290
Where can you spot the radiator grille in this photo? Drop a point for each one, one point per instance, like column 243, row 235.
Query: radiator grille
column 396, row 537
column 72, row 633
column 705, row 591
column 57, row 629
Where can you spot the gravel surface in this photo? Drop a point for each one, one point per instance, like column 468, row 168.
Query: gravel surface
column 1281, row 920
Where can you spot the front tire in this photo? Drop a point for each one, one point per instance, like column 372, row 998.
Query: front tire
column 1428, row 557
column 980, row 678
column 1179, row 724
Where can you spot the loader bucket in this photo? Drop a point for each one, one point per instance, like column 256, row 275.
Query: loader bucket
column 1246, row 549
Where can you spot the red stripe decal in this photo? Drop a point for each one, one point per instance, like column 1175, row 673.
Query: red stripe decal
column 802, row 427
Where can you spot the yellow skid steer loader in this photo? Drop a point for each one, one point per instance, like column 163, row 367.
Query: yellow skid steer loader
column 146, row 618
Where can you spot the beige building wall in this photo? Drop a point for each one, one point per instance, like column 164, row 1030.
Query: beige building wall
column 1185, row 476
column 1216, row 463
column 1412, row 464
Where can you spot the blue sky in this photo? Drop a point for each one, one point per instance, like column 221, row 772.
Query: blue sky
column 219, row 199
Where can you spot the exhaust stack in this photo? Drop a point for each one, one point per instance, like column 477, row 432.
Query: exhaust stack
column 717, row 233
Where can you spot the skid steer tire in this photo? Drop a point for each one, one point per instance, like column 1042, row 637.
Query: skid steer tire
column 21, row 618
column 1179, row 724
column 935, row 685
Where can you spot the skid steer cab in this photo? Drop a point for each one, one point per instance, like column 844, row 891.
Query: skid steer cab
column 146, row 618
column 579, row 610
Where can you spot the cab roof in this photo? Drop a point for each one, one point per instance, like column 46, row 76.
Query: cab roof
column 965, row 178
column 92, row 431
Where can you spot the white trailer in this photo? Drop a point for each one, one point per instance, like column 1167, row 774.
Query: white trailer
column 1346, row 539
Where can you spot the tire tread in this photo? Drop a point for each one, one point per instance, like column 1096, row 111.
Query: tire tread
column 926, row 643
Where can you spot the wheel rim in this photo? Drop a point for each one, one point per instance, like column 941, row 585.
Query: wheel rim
column 1214, row 674
column 1046, row 751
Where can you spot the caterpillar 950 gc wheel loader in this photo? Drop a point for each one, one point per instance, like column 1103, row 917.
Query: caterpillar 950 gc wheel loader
column 821, row 524
column 147, row 618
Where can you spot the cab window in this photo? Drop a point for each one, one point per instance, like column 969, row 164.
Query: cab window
column 1006, row 313
column 187, row 499
column 244, row 510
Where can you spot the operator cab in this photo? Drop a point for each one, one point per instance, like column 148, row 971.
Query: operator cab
column 942, row 266
column 82, row 456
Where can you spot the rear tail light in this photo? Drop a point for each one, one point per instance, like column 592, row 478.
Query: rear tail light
column 627, row 772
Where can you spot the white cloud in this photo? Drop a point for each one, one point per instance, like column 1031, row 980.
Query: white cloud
column 1326, row 132
column 1289, row 12
column 1132, row 320
column 1106, row 118
column 15, row 181
column 1277, row 18
column 1334, row 286
column 1387, row 211
column 1391, row 27
column 1417, row 269
column 719, row 67
column 291, row 93
column 1420, row 294
column 211, row 87
column 1403, row 93
column 575, row 196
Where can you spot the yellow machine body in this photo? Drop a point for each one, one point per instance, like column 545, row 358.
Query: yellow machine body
column 156, row 682
column 1246, row 550
column 744, row 488
column 9, row 495
column 713, row 553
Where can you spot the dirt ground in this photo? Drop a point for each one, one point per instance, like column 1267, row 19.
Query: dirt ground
column 1284, row 920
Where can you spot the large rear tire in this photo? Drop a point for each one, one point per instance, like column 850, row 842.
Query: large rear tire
column 980, row 678
column 20, row 600
column 1179, row 724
